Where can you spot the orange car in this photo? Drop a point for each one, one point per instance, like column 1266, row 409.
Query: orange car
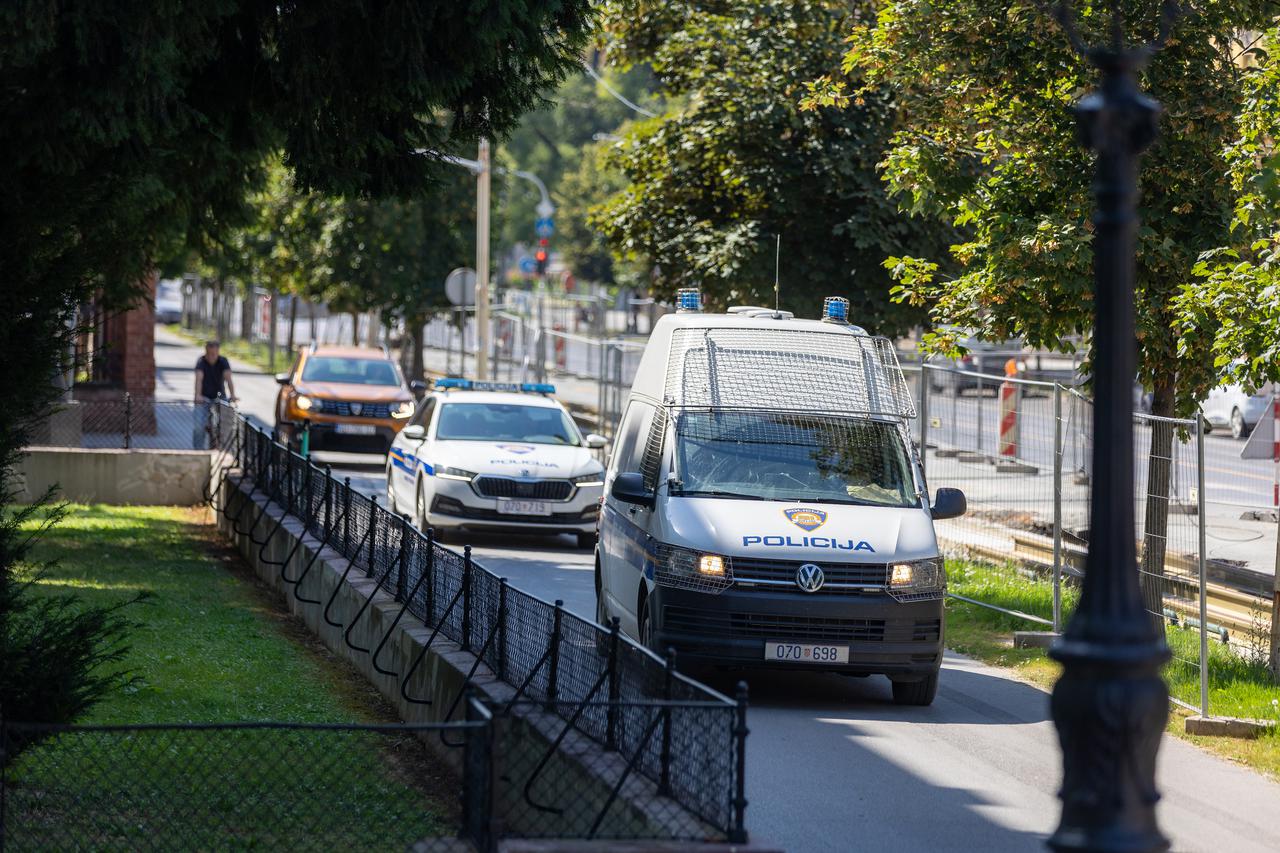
column 347, row 398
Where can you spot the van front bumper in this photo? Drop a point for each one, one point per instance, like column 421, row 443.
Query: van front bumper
column 902, row 640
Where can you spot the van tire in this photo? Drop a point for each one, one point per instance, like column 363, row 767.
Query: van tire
column 919, row 693
column 646, row 626
column 1239, row 429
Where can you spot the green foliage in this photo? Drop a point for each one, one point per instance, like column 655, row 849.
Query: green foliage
column 736, row 161
column 130, row 128
column 987, row 140
column 60, row 656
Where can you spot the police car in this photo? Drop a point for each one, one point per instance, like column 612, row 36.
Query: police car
column 488, row 456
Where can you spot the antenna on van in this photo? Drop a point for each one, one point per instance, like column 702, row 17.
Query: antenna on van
column 777, row 260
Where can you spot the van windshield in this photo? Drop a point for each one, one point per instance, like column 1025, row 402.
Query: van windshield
column 792, row 457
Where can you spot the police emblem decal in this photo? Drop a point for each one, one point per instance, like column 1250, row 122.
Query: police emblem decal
column 806, row 519
column 516, row 448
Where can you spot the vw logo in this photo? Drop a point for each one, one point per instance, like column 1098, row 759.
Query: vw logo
column 356, row 408
column 809, row 577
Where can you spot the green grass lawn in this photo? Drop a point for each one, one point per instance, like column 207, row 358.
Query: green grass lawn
column 255, row 353
column 213, row 645
column 1237, row 687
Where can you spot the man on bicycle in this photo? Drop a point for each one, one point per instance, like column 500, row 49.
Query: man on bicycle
column 213, row 382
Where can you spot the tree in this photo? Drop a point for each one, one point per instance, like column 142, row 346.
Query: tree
column 735, row 161
column 987, row 141
column 125, row 131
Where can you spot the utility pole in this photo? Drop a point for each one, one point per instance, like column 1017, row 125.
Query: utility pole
column 482, row 262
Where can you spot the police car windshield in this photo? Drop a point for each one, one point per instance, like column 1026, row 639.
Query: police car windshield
column 506, row 422
column 357, row 371
column 776, row 456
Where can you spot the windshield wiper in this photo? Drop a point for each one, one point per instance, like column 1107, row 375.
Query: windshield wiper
column 713, row 493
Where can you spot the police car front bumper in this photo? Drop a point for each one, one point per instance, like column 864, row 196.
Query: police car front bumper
column 456, row 506
column 903, row 640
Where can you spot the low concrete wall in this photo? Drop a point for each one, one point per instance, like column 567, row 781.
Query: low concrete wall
column 113, row 476
column 579, row 773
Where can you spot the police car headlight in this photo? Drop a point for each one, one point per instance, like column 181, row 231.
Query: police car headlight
column 404, row 410
column 447, row 473
column 917, row 576
column 596, row 479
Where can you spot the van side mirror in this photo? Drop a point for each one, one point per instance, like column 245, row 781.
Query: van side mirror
column 282, row 379
column 595, row 442
column 948, row 503
column 414, row 432
column 629, row 488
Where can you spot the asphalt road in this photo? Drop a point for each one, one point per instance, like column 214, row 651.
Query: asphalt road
column 833, row 765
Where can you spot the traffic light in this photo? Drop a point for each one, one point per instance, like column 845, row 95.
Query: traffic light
column 541, row 256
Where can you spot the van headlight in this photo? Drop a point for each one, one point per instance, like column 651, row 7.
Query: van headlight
column 684, row 568
column 917, row 580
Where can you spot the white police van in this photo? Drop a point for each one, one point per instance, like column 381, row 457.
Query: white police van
column 485, row 456
column 765, row 505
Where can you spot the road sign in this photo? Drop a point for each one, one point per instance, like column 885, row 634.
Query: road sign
column 545, row 227
column 1262, row 441
column 460, row 286
column 527, row 264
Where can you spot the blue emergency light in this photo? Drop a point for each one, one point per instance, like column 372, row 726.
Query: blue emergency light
column 458, row 384
column 835, row 309
column 688, row 299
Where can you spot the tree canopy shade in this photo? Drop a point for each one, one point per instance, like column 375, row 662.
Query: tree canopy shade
column 735, row 161
column 125, row 127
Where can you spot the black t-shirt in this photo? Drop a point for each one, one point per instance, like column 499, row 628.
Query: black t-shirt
column 212, row 376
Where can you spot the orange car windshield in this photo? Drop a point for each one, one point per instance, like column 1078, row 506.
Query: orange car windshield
column 354, row 371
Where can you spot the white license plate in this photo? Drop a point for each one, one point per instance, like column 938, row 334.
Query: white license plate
column 355, row 429
column 805, row 653
column 524, row 507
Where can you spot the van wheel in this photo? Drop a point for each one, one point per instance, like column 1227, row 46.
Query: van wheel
column 916, row 692
column 646, row 627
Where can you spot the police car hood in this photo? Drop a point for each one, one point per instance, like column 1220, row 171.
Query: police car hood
column 801, row 531
column 515, row 459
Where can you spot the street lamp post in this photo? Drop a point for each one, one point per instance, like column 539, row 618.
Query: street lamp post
column 1111, row 704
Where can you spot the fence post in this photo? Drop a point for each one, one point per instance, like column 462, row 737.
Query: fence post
column 924, row 421
column 611, row 737
column 128, row 420
column 373, row 534
column 1057, row 508
column 401, row 582
column 982, row 393
column 466, row 598
column 1202, row 566
column 553, row 656
column 346, row 518
column 738, row 832
column 664, row 778
column 502, row 629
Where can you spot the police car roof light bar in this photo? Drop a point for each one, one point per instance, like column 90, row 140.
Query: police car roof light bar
column 688, row 299
column 835, row 309
column 459, row 384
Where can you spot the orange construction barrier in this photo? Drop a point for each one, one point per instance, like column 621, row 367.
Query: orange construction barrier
column 1008, row 442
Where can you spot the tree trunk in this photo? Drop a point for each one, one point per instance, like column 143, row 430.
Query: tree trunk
column 247, row 314
column 1156, row 518
column 355, row 328
column 293, row 321
column 272, row 334
column 417, row 365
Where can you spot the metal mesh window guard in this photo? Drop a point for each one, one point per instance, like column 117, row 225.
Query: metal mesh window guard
column 786, row 369
column 793, row 456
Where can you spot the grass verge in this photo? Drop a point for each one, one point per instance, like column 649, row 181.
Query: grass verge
column 255, row 353
column 1237, row 687
column 214, row 645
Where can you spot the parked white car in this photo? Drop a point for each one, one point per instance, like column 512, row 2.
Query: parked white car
column 1232, row 407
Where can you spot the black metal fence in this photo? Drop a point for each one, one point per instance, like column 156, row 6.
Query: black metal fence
column 225, row 786
column 662, row 733
column 137, row 423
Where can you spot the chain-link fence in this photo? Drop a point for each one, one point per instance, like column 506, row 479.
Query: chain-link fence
column 274, row 786
column 136, row 423
column 592, row 683
column 1021, row 451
